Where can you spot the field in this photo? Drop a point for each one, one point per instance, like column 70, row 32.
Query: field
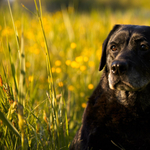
column 48, row 68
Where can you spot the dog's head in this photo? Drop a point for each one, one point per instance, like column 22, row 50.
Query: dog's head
column 126, row 53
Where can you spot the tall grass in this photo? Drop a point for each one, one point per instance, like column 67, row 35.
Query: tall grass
column 49, row 67
column 55, row 135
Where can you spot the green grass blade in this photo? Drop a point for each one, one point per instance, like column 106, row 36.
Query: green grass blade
column 9, row 124
column 13, row 69
column 28, row 9
column 22, row 73
column 68, row 24
column 49, row 66
column 16, row 33
column 21, row 99
column 66, row 123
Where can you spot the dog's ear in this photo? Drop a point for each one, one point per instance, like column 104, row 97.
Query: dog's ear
column 103, row 57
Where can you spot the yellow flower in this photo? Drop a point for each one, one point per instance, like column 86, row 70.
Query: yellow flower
column 83, row 105
column 68, row 62
column 42, row 44
column 70, row 88
column 74, row 64
column 30, row 35
column 58, row 70
column 90, row 86
column 83, row 68
column 57, row 62
column 60, row 84
column 91, row 64
column 36, row 51
column 28, row 64
column 85, row 59
column 7, row 31
column 30, row 78
column 73, row 45
column 17, row 23
column 53, row 69
column 79, row 59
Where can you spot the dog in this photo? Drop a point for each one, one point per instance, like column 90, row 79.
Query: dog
column 117, row 115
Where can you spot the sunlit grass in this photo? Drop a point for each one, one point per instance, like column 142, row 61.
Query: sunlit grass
column 49, row 68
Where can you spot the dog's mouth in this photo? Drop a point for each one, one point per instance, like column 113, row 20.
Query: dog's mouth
column 121, row 85
column 125, row 83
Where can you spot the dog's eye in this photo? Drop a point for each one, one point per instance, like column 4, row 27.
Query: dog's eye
column 113, row 48
column 144, row 47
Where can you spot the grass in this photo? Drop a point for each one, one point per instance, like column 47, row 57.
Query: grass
column 49, row 68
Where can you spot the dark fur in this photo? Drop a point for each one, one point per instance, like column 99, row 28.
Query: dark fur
column 117, row 115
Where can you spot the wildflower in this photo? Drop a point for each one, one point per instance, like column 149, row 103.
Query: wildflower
column 57, row 62
column 83, row 68
column 58, row 70
column 85, row 59
column 7, row 31
column 73, row 45
column 70, row 88
column 60, row 84
column 28, row 64
column 74, row 64
column 43, row 44
column 79, row 59
column 53, row 69
column 83, row 105
column 90, row 86
column 68, row 62
column 36, row 51
column 17, row 23
column 30, row 78
column 91, row 64
column 30, row 35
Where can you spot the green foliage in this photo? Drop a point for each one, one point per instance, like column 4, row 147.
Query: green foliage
column 49, row 67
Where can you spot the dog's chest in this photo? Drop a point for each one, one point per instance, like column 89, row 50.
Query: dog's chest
column 115, row 123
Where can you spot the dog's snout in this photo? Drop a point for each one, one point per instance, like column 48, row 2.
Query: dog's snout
column 119, row 67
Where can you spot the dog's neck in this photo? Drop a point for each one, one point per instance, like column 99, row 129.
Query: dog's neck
column 125, row 97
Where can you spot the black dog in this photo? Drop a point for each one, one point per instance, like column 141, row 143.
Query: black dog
column 117, row 115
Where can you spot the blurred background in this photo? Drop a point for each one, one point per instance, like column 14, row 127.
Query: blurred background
column 86, row 5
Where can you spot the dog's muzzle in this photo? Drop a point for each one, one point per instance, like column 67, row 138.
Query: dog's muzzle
column 118, row 75
column 119, row 67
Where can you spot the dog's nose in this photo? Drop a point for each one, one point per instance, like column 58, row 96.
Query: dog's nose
column 119, row 67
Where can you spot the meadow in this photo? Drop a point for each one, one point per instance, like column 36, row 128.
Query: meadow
column 49, row 66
